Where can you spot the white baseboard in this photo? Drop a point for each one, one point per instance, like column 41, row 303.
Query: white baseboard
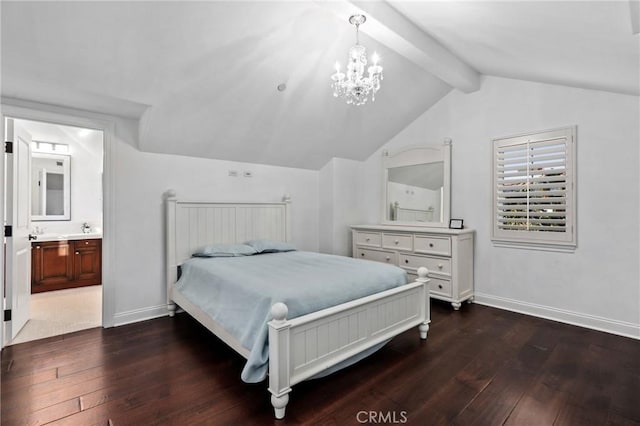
column 136, row 315
column 621, row 328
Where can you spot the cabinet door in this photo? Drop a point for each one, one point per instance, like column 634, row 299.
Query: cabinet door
column 52, row 265
column 87, row 268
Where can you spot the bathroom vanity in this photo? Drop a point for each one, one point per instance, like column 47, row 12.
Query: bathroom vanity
column 65, row 261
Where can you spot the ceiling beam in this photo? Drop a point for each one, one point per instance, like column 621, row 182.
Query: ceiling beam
column 634, row 8
column 391, row 28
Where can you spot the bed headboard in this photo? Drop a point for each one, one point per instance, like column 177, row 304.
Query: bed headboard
column 193, row 224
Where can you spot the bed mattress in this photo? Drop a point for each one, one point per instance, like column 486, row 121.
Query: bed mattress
column 238, row 292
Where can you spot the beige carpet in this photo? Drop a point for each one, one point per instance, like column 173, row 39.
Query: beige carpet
column 59, row 312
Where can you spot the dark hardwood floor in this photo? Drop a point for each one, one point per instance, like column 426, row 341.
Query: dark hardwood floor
column 480, row 366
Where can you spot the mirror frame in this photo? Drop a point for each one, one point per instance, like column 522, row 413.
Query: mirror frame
column 66, row 159
column 411, row 156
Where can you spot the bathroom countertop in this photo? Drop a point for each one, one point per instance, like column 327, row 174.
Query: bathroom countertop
column 65, row 237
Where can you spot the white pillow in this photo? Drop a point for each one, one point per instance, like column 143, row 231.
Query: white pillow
column 225, row 250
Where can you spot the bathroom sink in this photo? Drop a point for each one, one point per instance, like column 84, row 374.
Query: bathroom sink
column 80, row 236
column 70, row 236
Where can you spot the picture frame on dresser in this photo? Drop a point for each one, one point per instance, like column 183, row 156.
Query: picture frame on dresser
column 456, row 224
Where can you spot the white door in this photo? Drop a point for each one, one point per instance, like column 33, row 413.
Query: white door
column 18, row 216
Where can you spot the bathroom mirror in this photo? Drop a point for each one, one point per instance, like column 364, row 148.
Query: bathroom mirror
column 416, row 186
column 50, row 187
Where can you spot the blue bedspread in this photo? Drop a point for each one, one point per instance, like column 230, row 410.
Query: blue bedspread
column 238, row 291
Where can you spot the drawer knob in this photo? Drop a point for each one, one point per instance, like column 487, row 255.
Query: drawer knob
column 362, row 254
column 367, row 239
column 439, row 285
column 430, row 244
column 406, row 261
column 388, row 258
column 86, row 242
column 439, row 265
column 38, row 247
column 77, row 252
column 396, row 242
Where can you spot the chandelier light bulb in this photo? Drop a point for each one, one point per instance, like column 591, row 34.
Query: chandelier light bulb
column 353, row 85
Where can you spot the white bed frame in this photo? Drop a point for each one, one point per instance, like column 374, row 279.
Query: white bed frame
column 301, row 347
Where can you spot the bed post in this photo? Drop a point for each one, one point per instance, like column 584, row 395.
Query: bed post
column 279, row 359
column 423, row 274
column 286, row 199
column 172, row 268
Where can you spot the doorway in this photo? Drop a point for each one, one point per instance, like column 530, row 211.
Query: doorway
column 64, row 199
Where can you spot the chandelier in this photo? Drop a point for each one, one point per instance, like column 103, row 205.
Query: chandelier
column 354, row 86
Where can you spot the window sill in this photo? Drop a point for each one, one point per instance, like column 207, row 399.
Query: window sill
column 527, row 245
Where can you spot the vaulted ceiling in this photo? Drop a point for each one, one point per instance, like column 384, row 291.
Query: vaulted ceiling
column 202, row 76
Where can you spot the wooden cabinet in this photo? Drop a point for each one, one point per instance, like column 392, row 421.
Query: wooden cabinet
column 56, row 265
column 87, row 261
column 51, row 265
column 446, row 253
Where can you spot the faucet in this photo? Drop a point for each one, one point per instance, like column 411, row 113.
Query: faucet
column 86, row 228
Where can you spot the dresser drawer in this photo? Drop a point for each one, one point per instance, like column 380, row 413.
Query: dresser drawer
column 447, row 254
column 432, row 245
column 372, row 239
column 437, row 286
column 440, row 287
column 376, row 255
column 433, row 264
column 397, row 242
column 87, row 243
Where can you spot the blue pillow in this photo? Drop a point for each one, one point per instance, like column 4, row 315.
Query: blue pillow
column 225, row 250
column 268, row 246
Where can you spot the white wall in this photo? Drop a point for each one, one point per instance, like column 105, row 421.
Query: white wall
column 339, row 188
column 598, row 285
column 326, row 227
column 86, row 181
column 141, row 180
column 347, row 209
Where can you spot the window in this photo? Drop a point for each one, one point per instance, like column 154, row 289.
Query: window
column 534, row 189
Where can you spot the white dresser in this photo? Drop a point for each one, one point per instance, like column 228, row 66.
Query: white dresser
column 446, row 253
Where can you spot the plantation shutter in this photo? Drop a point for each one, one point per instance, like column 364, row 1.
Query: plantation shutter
column 534, row 188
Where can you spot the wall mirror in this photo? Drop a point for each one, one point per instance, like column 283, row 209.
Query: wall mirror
column 50, row 187
column 416, row 187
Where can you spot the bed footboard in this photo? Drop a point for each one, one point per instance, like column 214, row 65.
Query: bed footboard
column 302, row 347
